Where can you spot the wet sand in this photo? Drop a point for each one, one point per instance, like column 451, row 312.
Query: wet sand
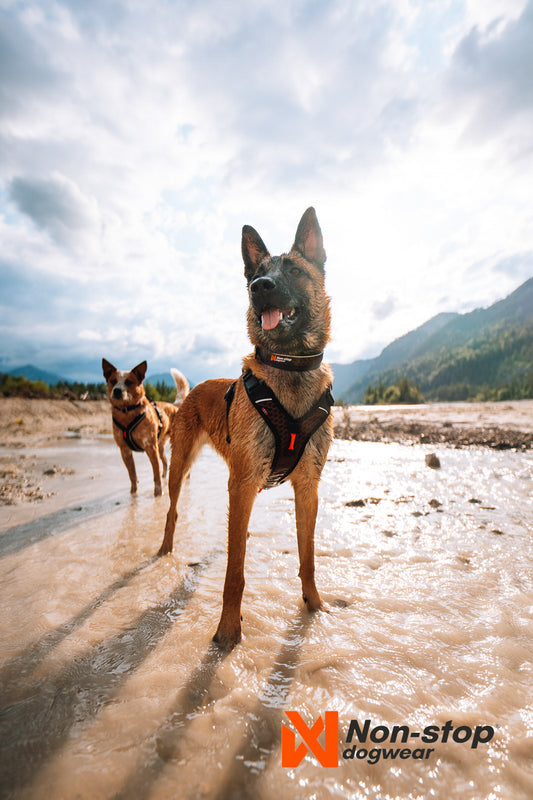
column 109, row 684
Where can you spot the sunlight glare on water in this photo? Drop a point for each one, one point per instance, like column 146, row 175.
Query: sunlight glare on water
column 111, row 687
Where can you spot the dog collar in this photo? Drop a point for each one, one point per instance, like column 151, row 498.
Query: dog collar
column 129, row 408
column 292, row 363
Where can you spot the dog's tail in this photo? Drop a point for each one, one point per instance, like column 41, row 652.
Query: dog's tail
column 182, row 386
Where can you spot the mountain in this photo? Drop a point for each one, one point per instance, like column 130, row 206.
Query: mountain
column 400, row 350
column 35, row 374
column 347, row 374
column 452, row 354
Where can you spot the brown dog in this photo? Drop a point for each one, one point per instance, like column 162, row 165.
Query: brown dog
column 246, row 420
column 138, row 424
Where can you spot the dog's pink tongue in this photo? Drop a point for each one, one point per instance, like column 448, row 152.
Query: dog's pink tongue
column 270, row 318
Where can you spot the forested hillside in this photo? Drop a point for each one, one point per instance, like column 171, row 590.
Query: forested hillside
column 485, row 355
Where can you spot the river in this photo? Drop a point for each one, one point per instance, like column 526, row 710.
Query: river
column 111, row 688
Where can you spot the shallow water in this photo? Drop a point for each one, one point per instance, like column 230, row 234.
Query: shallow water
column 111, row 688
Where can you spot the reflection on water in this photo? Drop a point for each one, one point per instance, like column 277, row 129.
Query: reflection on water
column 111, row 688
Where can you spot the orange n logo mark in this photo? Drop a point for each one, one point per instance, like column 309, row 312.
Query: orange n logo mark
column 328, row 755
column 293, row 439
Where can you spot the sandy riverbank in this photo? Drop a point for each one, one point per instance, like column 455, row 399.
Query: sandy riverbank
column 25, row 422
column 28, row 424
column 29, row 428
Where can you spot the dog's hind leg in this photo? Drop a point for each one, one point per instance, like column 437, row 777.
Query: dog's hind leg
column 241, row 500
column 306, row 506
column 127, row 457
column 163, row 457
column 184, row 452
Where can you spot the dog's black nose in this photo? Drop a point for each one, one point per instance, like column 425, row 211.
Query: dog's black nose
column 262, row 285
column 117, row 393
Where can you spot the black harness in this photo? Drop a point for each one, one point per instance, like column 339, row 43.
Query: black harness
column 127, row 430
column 291, row 435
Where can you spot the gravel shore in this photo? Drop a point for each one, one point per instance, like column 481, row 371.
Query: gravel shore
column 501, row 426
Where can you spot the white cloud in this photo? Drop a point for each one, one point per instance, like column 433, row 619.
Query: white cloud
column 491, row 72
column 56, row 205
column 139, row 137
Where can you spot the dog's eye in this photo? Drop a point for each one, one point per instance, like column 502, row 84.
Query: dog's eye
column 128, row 382
column 113, row 381
column 296, row 271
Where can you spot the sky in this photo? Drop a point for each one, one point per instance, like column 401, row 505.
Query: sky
column 138, row 136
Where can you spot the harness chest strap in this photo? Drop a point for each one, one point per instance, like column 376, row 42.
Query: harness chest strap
column 127, row 430
column 291, row 435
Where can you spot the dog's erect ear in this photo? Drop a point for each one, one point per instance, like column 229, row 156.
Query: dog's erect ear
column 253, row 251
column 140, row 371
column 308, row 239
column 108, row 369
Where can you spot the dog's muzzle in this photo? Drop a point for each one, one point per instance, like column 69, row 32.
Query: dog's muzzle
column 270, row 303
column 117, row 393
column 261, row 289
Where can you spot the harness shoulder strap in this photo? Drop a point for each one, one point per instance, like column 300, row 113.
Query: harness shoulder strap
column 159, row 417
column 228, row 397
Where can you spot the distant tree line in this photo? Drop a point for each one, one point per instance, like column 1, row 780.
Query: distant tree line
column 18, row 386
column 517, row 389
column 162, row 392
column 402, row 392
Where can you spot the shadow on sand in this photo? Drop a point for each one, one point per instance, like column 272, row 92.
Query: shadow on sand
column 35, row 724
column 263, row 729
column 18, row 537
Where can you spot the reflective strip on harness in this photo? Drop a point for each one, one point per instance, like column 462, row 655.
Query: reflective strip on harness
column 291, row 435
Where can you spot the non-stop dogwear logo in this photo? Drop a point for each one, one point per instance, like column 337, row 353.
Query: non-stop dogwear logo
column 392, row 740
column 327, row 754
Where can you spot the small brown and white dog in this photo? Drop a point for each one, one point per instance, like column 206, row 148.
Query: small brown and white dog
column 138, row 424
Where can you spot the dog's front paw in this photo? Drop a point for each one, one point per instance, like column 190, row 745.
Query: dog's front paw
column 164, row 550
column 227, row 639
column 312, row 601
column 158, row 491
